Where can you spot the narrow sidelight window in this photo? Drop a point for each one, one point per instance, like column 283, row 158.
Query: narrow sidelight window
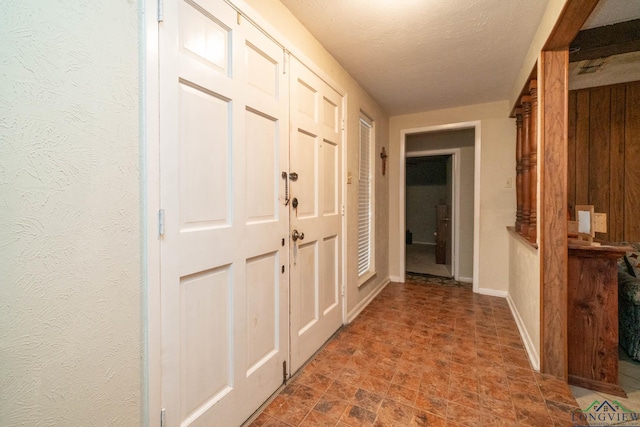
column 365, row 201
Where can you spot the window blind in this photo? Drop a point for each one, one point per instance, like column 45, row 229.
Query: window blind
column 364, row 199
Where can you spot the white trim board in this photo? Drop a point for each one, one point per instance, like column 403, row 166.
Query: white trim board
column 150, row 194
column 492, row 292
column 366, row 301
column 476, row 125
column 530, row 348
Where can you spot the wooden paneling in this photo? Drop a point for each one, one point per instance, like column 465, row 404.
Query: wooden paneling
column 617, row 164
column 553, row 212
column 571, row 152
column 599, row 129
column 582, row 150
column 632, row 171
column 606, row 124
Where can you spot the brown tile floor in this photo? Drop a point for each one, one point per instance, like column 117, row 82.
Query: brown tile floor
column 426, row 353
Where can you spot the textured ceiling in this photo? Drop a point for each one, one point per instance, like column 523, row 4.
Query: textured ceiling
column 421, row 55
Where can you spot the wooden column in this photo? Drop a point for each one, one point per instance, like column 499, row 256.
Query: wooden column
column 526, row 166
column 553, row 215
column 533, row 162
column 519, row 188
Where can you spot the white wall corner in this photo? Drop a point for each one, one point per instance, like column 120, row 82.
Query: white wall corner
column 365, row 302
column 530, row 348
column 396, row 279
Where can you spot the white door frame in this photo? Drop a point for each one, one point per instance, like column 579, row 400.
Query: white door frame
column 150, row 189
column 455, row 208
column 476, row 192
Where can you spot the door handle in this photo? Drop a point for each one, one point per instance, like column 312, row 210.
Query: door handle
column 296, row 235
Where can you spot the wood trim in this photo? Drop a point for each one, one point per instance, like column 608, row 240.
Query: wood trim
column 553, row 100
column 553, row 214
column 521, row 238
column 603, row 387
column 572, row 18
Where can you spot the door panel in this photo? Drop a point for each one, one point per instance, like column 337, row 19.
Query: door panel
column 223, row 145
column 304, row 155
column 315, row 147
column 329, row 296
column 205, row 147
column 263, row 309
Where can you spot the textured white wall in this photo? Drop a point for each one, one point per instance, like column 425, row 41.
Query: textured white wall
column 70, row 240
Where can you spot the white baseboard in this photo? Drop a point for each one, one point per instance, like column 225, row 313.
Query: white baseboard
column 365, row 302
column 396, row 279
column 534, row 358
column 464, row 279
column 492, row 292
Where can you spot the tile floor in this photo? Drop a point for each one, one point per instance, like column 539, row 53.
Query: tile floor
column 426, row 353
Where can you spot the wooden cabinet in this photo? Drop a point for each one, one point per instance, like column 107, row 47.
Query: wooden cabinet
column 593, row 317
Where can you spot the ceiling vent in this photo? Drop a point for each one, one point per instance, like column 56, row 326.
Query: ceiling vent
column 592, row 65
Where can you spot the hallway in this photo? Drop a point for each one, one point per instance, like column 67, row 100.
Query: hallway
column 422, row 259
column 426, row 353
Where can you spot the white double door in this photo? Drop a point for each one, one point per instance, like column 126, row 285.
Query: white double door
column 242, row 303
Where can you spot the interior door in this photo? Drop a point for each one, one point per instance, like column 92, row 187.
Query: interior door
column 450, row 234
column 224, row 285
column 316, row 213
column 442, row 233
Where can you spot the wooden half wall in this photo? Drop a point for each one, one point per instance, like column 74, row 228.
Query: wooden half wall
column 604, row 156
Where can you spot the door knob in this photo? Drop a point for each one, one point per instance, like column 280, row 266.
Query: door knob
column 295, row 235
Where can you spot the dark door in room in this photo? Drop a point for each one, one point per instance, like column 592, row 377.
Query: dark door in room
column 443, row 220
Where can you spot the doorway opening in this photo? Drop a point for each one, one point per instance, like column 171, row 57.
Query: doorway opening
column 429, row 200
column 445, row 158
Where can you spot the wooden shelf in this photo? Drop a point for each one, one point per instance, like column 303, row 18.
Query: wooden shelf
column 511, row 229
